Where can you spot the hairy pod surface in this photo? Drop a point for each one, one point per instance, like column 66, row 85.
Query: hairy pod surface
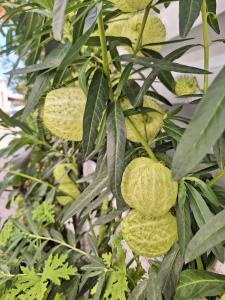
column 148, row 187
column 148, row 124
column 131, row 5
column 149, row 236
column 66, row 185
column 186, row 85
column 63, row 113
column 129, row 27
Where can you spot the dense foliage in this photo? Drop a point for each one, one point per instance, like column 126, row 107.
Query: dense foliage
column 93, row 71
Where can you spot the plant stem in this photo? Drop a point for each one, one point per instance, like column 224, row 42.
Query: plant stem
column 106, row 70
column 27, row 176
column 199, row 263
column 139, row 40
column 38, row 237
column 142, row 140
column 217, row 178
column 206, row 44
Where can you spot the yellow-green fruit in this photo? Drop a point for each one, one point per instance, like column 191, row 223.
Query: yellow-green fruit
column 63, row 113
column 186, row 85
column 223, row 297
column 154, row 31
column 131, row 5
column 129, row 27
column 149, row 236
column 66, row 185
column 148, row 187
column 148, row 124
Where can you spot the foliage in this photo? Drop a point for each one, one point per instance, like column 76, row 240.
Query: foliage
column 100, row 93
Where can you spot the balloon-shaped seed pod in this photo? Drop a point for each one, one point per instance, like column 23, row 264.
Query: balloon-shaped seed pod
column 186, row 85
column 149, row 236
column 148, row 124
column 66, row 185
column 130, row 5
column 129, row 27
column 223, row 297
column 154, row 32
column 148, row 187
column 63, row 113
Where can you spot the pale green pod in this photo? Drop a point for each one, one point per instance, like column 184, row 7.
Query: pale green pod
column 223, row 297
column 63, row 113
column 148, row 124
column 186, row 85
column 148, row 187
column 131, row 5
column 129, row 27
column 66, row 185
column 149, row 236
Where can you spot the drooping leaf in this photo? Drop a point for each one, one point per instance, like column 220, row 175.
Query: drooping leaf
column 202, row 214
column 219, row 150
column 169, row 272
column 58, row 18
column 92, row 17
column 153, row 285
column 204, row 130
column 212, row 17
column 188, row 12
column 116, row 143
column 96, row 104
column 209, row 235
column 41, row 85
column 195, row 284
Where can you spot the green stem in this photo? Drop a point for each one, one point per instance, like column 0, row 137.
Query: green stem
column 206, row 44
column 106, row 70
column 217, row 178
column 199, row 263
column 141, row 139
column 27, row 176
column 38, row 237
column 139, row 40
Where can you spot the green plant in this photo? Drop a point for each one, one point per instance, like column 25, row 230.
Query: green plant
column 93, row 76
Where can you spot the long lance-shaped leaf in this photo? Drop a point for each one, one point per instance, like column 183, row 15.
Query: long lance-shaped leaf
column 195, row 284
column 204, row 130
column 116, row 142
column 96, row 104
column 189, row 12
column 58, row 18
column 209, row 235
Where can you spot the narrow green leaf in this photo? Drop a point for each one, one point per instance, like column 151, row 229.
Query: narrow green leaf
column 139, row 292
column 58, row 18
column 92, row 17
column 197, row 284
column 93, row 190
column 209, row 235
column 202, row 214
column 183, row 222
column 212, row 17
column 116, row 143
column 219, row 150
column 161, row 64
column 154, row 291
column 189, row 11
column 204, row 130
column 123, row 79
column 13, row 122
column 169, row 272
column 96, row 104
column 41, row 85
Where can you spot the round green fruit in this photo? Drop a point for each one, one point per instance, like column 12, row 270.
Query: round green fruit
column 148, row 187
column 66, row 185
column 129, row 27
column 223, row 297
column 149, row 236
column 186, row 85
column 148, row 124
column 154, row 31
column 131, row 5
column 63, row 113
